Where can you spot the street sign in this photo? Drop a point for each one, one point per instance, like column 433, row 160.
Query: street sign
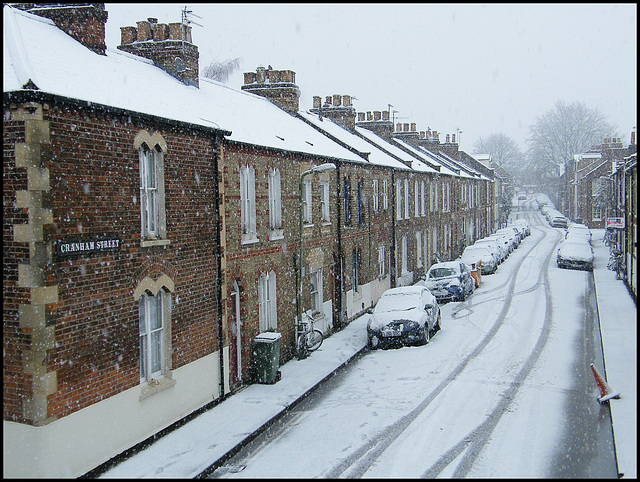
column 616, row 223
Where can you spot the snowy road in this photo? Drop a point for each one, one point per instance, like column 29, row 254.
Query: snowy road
column 501, row 391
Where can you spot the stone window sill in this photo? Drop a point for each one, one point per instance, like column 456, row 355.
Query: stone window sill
column 146, row 243
column 155, row 386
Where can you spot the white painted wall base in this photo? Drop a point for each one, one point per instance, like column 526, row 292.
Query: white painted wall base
column 76, row 444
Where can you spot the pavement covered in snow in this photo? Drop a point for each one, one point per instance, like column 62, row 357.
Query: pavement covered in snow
column 191, row 448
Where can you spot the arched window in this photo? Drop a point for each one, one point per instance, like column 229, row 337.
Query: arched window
column 151, row 150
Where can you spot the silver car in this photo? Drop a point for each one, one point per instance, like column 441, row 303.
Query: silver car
column 403, row 316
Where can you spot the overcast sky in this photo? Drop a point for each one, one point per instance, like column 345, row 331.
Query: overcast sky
column 477, row 69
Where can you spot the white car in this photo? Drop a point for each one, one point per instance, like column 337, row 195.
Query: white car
column 525, row 224
column 405, row 315
column 512, row 234
column 579, row 231
column 472, row 254
column 504, row 241
column 575, row 253
column 495, row 245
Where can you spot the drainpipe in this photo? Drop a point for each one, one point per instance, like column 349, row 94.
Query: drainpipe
column 218, row 249
column 392, row 254
column 337, row 259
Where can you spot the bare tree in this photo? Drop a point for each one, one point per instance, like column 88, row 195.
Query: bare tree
column 504, row 152
column 221, row 71
column 565, row 131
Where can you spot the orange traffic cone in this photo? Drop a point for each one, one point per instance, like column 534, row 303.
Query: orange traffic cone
column 606, row 393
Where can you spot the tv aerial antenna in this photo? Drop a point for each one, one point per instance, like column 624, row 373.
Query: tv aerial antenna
column 186, row 17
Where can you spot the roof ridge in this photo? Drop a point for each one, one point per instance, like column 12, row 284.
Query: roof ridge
column 14, row 46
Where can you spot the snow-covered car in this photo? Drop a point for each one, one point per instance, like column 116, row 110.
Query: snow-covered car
column 524, row 223
column 559, row 221
column 495, row 245
column 404, row 316
column 575, row 253
column 578, row 231
column 472, row 254
column 512, row 234
column 504, row 241
column 450, row 281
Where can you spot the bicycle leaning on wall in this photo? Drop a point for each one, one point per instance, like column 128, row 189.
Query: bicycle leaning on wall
column 309, row 339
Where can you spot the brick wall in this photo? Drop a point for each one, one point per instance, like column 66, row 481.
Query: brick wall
column 93, row 171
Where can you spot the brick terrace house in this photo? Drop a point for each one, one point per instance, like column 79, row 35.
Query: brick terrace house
column 151, row 228
column 590, row 183
column 111, row 305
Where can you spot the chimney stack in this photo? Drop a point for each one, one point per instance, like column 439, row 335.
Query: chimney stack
column 84, row 22
column 278, row 86
column 338, row 108
column 169, row 46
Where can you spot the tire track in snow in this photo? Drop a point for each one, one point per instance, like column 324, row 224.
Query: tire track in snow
column 358, row 462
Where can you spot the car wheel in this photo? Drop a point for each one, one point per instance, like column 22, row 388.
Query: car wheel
column 437, row 326
column 373, row 342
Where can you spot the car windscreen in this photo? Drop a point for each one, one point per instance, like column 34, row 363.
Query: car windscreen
column 436, row 273
column 398, row 302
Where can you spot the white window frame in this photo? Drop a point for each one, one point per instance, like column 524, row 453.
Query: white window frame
column 152, row 322
column 416, row 199
column 267, row 302
column 355, row 270
column 248, row 204
column 398, row 199
column 307, row 206
column 376, row 193
column 431, row 196
column 407, row 196
column 419, row 249
column 325, row 211
column 316, row 290
column 425, row 251
column 422, row 199
column 385, row 194
column 381, row 262
column 405, row 258
column 275, row 203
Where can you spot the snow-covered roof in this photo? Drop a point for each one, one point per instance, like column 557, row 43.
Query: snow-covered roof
column 395, row 151
column 37, row 52
column 375, row 155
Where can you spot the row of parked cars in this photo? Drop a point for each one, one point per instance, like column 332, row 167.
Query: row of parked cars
column 411, row 314
column 575, row 251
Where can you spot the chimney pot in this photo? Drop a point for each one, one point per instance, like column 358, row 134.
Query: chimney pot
column 175, row 31
column 369, row 116
column 398, row 127
column 385, row 115
column 260, row 75
column 422, row 134
column 316, row 101
column 361, row 117
column 160, row 32
column 337, row 100
column 406, row 127
column 128, row 35
column 413, row 127
column 144, row 31
column 453, row 138
column 249, row 77
column 327, row 100
column 377, row 115
column 346, row 100
column 447, row 139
